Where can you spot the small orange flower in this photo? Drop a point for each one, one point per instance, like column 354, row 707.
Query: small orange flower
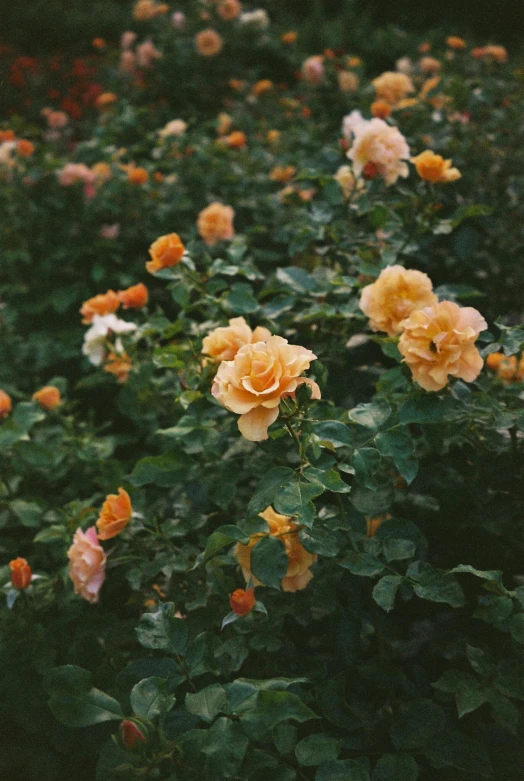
column 6, row 405
column 137, row 175
column 353, row 62
column 236, row 84
column 134, row 297
column 102, row 304
column 215, row 223
column 289, row 37
column 494, row 360
column 114, row 516
column 242, row 602
column 273, row 136
column 25, row 148
column 229, row 9
column 424, row 47
column 106, row 99
column 48, row 397
column 236, row 140
column 380, row 109
column 166, row 251
column 98, row 43
column 20, row 574
column 6, row 135
column 433, row 168
column 261, row 87
column 454, row 42
column 373, row 524
column 208, row 43
column 282, row 173
column 120, row 365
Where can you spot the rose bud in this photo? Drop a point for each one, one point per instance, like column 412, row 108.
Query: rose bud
column 20, row 574
column 242, row 602
column 131, row 735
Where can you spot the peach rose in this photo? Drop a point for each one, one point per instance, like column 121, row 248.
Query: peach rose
column 102, row 304
column 208, row 43
column 393, row 87
column 261, row 87
column 348, row 81
column 289, row 37
column 236, row 140
column 508, row 368
column 380, row 109
column 439, row 341
column 166, row 251
column 300, row 560
column 137, row 175
column 429, row 65
column 87, row 562
column 134, row 297
column 242, row 602
column 433, row 168
column 114, row 516
column 20, row 574
column 24, row 148
column 347, row 180
column 282, row 173
column 254, row 382
column 215, row 223
column 119, row 365
column 48, row 397
column 496, row 53
column 454, row 42
column 229, row 9
column 224, row 342
column 225, row 123
column 6, row 405
column 313, row 69
column 383, row 146
column 395, row 294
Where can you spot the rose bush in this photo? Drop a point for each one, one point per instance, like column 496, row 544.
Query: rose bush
column 261, row 411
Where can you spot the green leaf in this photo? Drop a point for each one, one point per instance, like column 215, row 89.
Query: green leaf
column 342, row 770
column 399, row 446
column 395, row 767
column 395, row 549
column 371, row 415
column 270, row 485
column 265, row 709
column 330, row 479
column 362, row 564
column 162, row 631
column 164, row 471
column 240, row 300
column 269, row 561
column 207, row 703
column 429, row 408
column 297, row 279
column 317, row 748
column 26, row 414
column 367, row 462
column 493, row 577
column 320, row 540
column 29, row 513
column 75, row 703
column 415, row 723
column 516, row 626
column 333, row 432
column 150, row 698
column 435, row 585
column 225, row 747
column 370, row 501
column 449, row 748
column 385, row 591
column 223, row 537
column 296, row 499
column 468, row 698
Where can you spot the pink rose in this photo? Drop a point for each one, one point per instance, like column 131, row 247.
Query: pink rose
column 87, row 564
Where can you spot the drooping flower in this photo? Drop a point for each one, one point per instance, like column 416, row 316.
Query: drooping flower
column 166, row 251
column 215, row 223
column 384, row 146
column 433, row 168
column 224, row 342
column 115, row 515
column 253, row 384
column 396, row 293
column 87, row 562
column 438, row 342
column 300, row 560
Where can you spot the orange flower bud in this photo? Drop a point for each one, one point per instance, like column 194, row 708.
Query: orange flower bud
column 25, row 148
column 6, row 405
column 102, row 304
column 98, row 43
column 48, row 397
column 454, row 42
column 236, row 140
column 289, row 37
column 131, row 735
column 137, row 175
column 380, row 109
column 114, row 516
column 106, row 99
column 134, row 297
column 242, row 602
column 7, row 135
column 20, row 574
column 166, row 251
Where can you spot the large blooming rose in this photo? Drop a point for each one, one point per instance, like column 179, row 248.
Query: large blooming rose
column 383, row 146
column 392, row 87
column 254, row 382
column 224, row 342
column 394, row 296
column 300, row 560
column 87, row 562
column 166, row 251
column 115, row 514
column 439, row 341
column 215, row 223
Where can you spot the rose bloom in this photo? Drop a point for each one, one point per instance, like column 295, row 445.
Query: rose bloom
column 454, row 42
column 439, row 341
column 396, row 293
column 257, row 18
column 507, row 367
column 496, row 53
column 127, row 62
column 166, row 251
column 346, row 179
column 102, row 172
column 224, row 342
column 145, row 10
column 225, row 123
column 289, row 37
column 381, row 109
column 134, row 297
column 384, row 146
column 115, row 514
column 24, row 148
column 95, row 339
column 20, row 574
column 273, row 136
column 57, row 119
column 229, row 9
column 404, row 65
column 208, row 43
column 242, row 602
column 350, row 123
column 137, row 175
column 348, row 81
column 87, row 562
column 176, row 127
column 127, row 40
column 178, row 20
column 6, row 405
column 281, row 173
column 119, row 365
column 110, row 232
column 48, row 397
column 102, row 304
column 106, row 99
column 433, row 168
column 146, row 52
column 236, row 140
column 300, row 560
column 253, row 384
column 215, row 223
column 72, row 173
column 393, row 87
column 429, row 65
column 313, row 69
column 261, row 87
column 6, row 135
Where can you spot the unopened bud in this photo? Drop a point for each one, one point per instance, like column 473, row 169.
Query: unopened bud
column 20, row 574
column 131, row 735
column 242, row 602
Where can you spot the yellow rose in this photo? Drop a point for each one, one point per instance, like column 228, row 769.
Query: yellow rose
column 165, row 251
column 224, row 342
column 395, row 294
column 392, row 87
column 433, row 168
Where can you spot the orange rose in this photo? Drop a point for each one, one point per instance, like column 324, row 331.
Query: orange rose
column 242, row 602
column 25, row 148
column 98, row 43
column 300, row 560
column 114, row 516
column 87, row 562
column 208, row 43
column 273, row 136
column 166, row 251
column 454, row 42
column 106, row 99
column 225, row 123
column 134, row 297
column 261, row 87
column 282, row 173
column 494, row 360
column 236, row 140
column 380, row 109
column 348, row 81
column 48, row 397
column 6, row 405
column 102, row 304
column 289, row 37
column 392, row 87
column 433, row 168
column 6, row 135
column 253, row 384
column 229, row 9
column 224, row 342
column 496, row 53
column 429, row 65
column 439, row 341
column 215, row 223
column 102, row 172
column 120, row 365
column 395, row 294
column 20, row 574
column 136, row 175
column 374, row 524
